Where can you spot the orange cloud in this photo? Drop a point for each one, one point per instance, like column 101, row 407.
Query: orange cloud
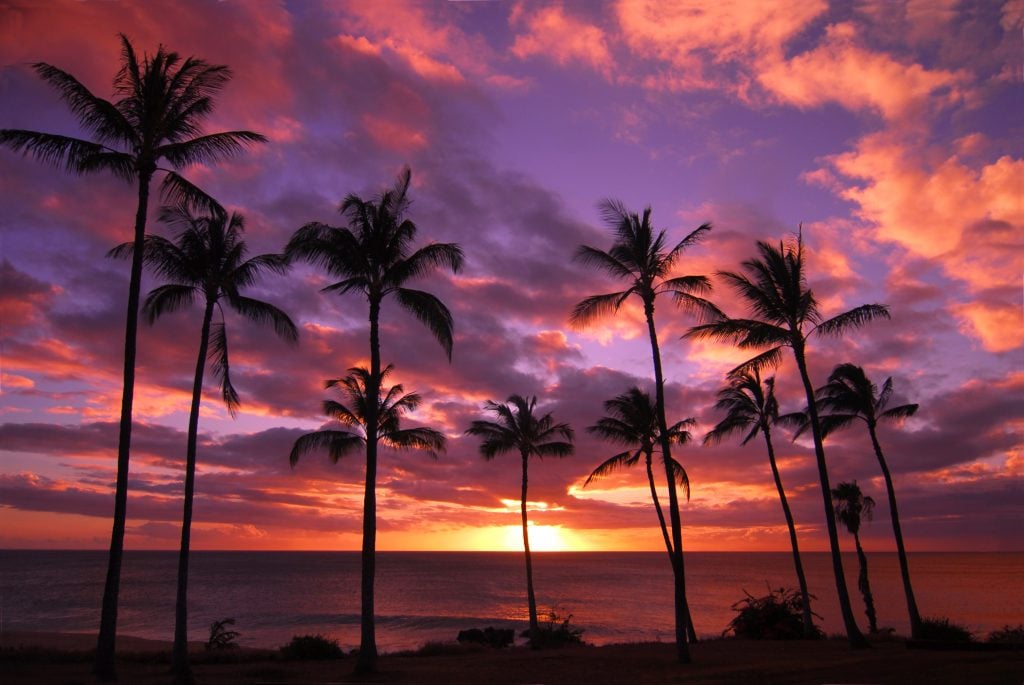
column 550, row 32
column 840, row 70
column 393, row 135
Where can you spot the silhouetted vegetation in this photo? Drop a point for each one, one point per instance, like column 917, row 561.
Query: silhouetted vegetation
column 641, row 257
column 311, row 648
column 518, row 429
column 1007, row 635
column 779, row 615
column 554, row 632
column 163, row 100
column 222, row 637
column 852, row 507
column 940, row 628
column 488, row 637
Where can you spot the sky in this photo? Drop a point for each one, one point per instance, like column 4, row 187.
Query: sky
column 891, row 131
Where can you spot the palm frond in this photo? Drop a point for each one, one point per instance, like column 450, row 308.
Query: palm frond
column 168, row 298
column 337, row 443
column 855, row 318
column 596, row 306
column 428, row 439
column 175, row 189
column 901, row 412
column 769, row 359
column 431, row 312
column 611, row 464
column 208, row 148
column 264, row 312
column 222, row 366
column 591, row 256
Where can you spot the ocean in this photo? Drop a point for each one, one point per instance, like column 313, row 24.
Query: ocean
column 431, row 596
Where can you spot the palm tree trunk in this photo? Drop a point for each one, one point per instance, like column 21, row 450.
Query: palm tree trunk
column 908, row 590
column 798, row 565
column 531, row 599
column 853, row 634
column 367, row 659
column 179, row 658
column 657, row 508
column 103, row 667
column 682, row 608
column 865, row 587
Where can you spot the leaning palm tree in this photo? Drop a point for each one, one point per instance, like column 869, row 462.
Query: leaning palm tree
column 751, row 407
column 785, row 314
column 848, row 396
column 642, row 258
column 633, row 421
column 374, row 256
column 162, row 102
column 519, row 429
column 205, row 263
column 852, row 506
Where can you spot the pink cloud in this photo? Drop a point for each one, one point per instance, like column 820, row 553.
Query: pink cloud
column 551, row 33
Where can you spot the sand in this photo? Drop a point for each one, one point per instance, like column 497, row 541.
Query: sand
column 45, row 658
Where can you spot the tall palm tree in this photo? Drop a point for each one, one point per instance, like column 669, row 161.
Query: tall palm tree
column 205, row 263
column 785, row 314
column 162, row 102
column 852, row 506
column 642, row 258
column 374, row 256
column 519, row 429
column 848, row 396
column 751, row 406
column 633, row 421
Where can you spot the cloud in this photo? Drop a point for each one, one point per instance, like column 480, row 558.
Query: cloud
column 553, row 34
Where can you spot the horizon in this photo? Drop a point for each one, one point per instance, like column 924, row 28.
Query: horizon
column 887, row 132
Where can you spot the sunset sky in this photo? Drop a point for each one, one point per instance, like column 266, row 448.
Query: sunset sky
column 891, row 130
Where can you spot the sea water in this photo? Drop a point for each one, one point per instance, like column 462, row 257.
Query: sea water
column 431, row 596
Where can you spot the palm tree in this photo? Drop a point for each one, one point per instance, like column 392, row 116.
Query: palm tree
column 848, row 396
column 633, row 421
column 206, row 263
column 752, row 407
column 851, row 507
column 373, row 255
column 643, row 259
column 518, row 428
column 392, row 405
column 785, row 314
column 162, row 102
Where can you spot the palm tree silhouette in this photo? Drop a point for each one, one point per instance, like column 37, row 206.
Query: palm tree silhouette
column 851, row 507
column 392, row 405
column 786, row 315
column 633, row 421
column 373, row 255
column 205, row 263
column 642, row 258
column 517, row 428
column 848, row 396
column 751, row 406
column 162, row 102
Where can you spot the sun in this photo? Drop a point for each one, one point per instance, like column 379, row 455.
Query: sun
column 542, row 539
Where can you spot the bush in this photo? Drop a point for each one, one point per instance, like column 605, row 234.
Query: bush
column 488, row 637
column 555, row 632
column 221, row 637
column 776, row 616
column 312, row 647
column 942, row 629
column 1007, row 635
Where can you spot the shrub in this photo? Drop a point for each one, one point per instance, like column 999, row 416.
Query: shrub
column 942, row 629
column 221, row 637
column 555, row 632
column 311, row 647
column 1007, row 635
column 489, row 637
column 776, row 616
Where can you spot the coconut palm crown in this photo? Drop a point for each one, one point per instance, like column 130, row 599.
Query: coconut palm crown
column 519, row 429
column 632, row 421
column 162, row 101
column 785, row 313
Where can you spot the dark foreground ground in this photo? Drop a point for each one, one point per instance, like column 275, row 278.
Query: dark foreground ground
column 61, row 659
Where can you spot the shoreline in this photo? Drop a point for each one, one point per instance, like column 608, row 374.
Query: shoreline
column 43, row 658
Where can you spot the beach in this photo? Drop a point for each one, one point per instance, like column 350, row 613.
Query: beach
column 38, row 658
